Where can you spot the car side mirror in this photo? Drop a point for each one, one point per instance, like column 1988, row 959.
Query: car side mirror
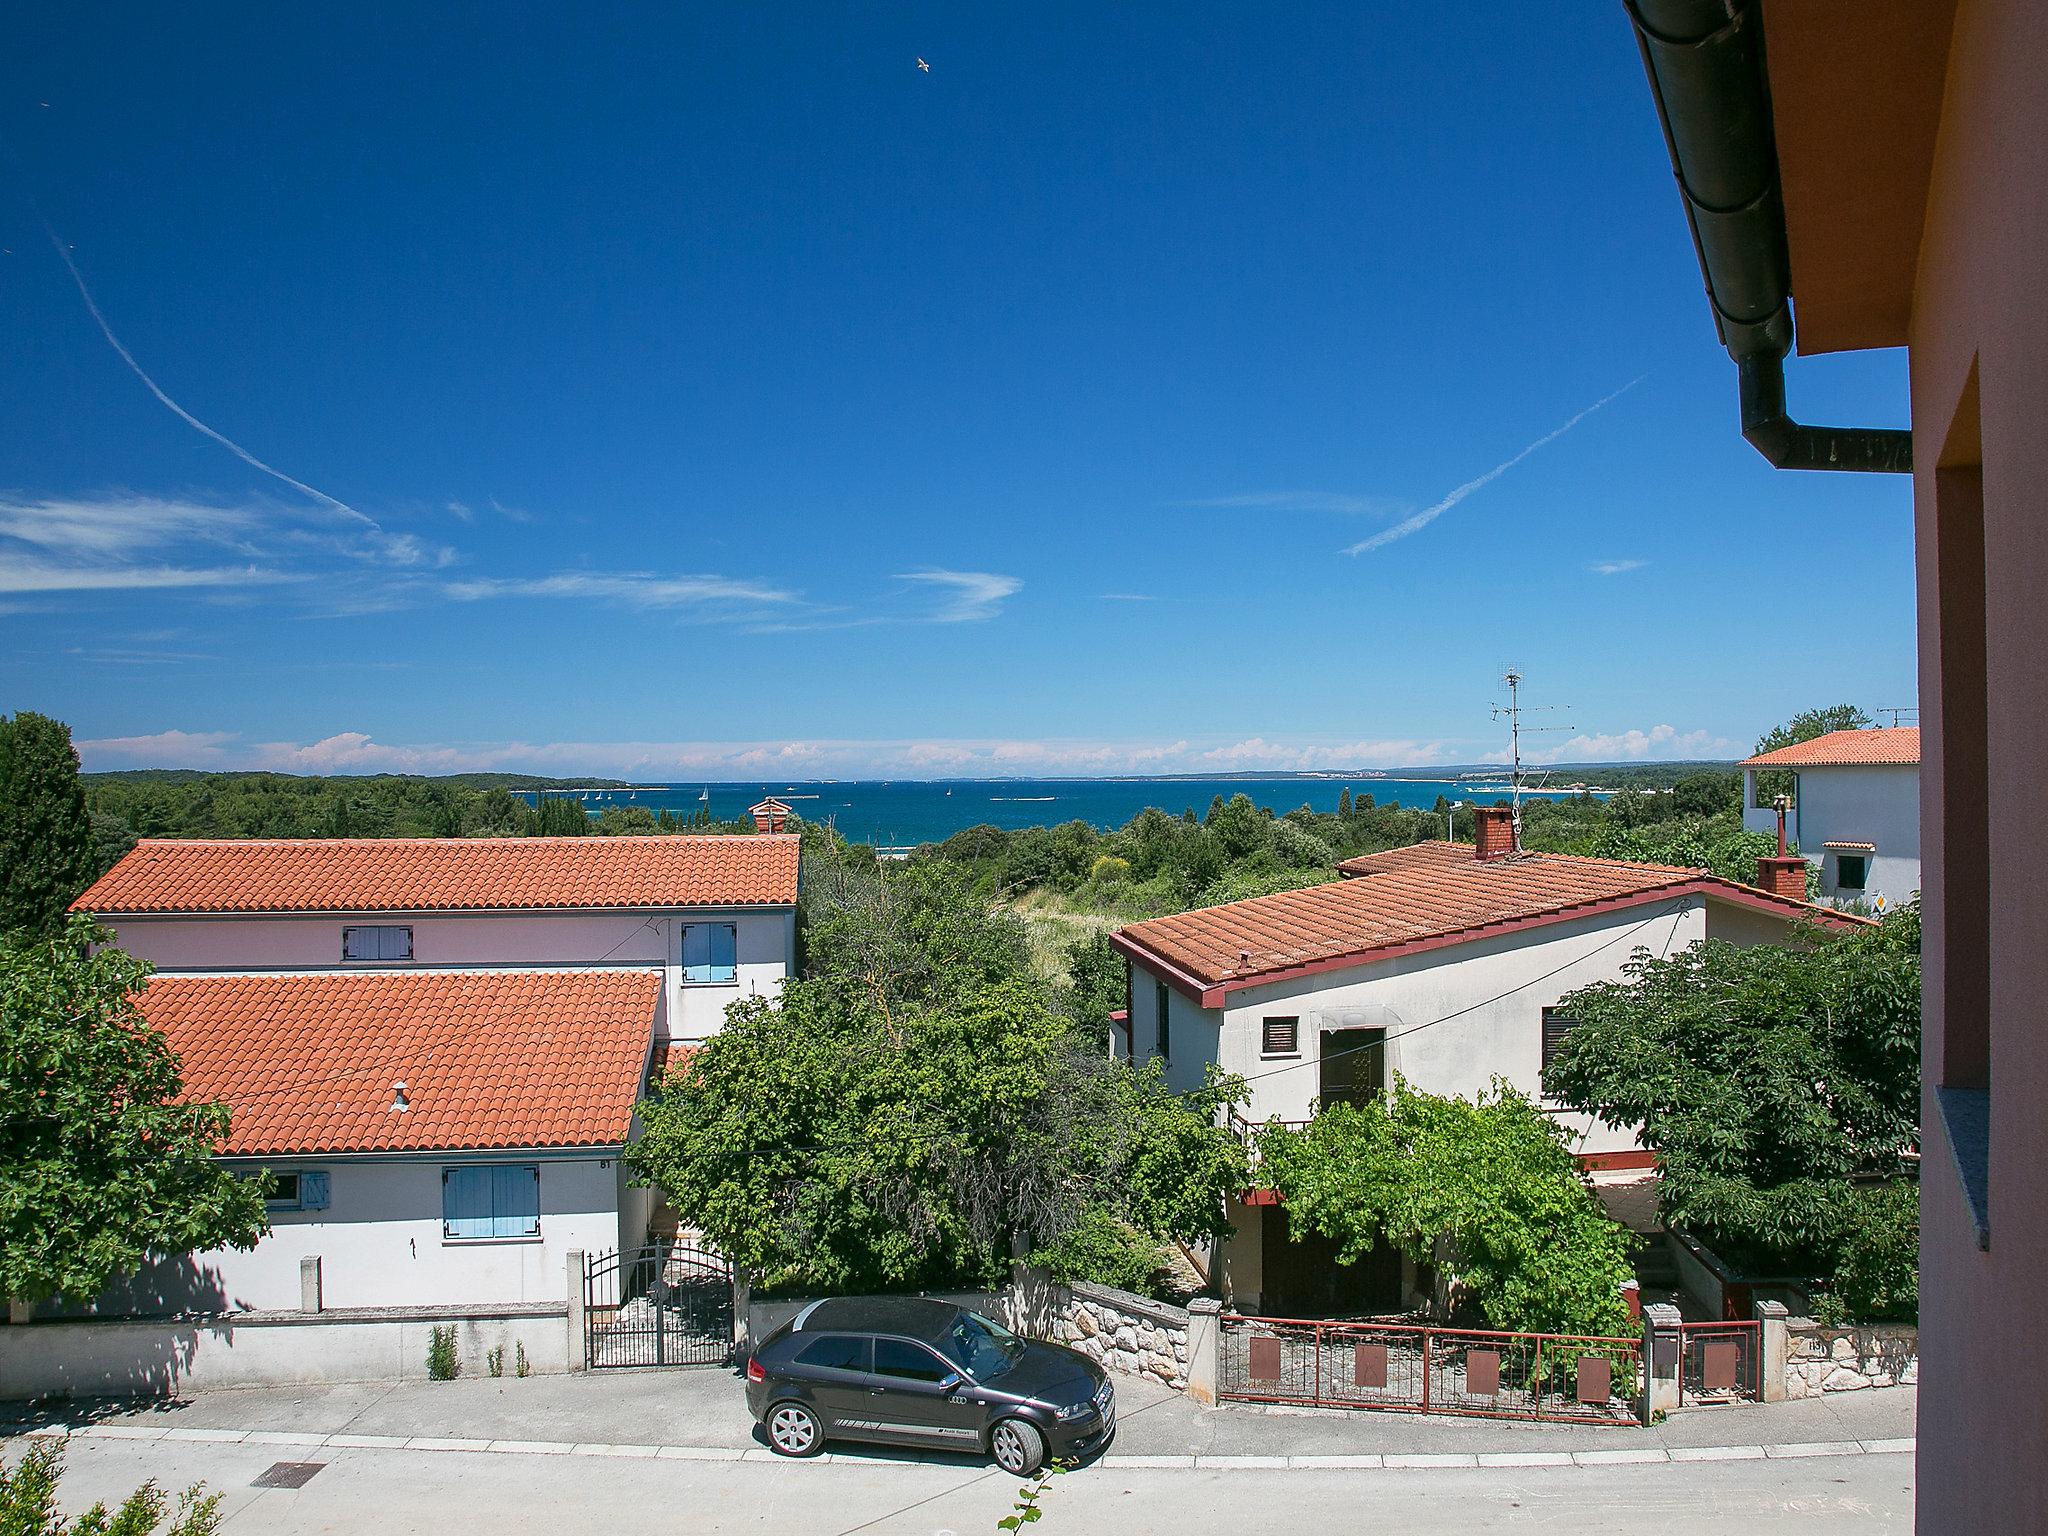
column 951, row 1381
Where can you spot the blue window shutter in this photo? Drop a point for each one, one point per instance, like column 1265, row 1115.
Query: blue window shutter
column 515, row 1201
column 697, row 952
column 723, row 945
column 466, row 1202
column 313, row 1191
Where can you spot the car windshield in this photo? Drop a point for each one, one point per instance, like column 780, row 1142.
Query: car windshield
column 981, row 1348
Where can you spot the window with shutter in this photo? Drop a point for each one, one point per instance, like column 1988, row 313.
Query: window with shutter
column 1556, row 1025
column 711, row 952
column 1160, row 1012
column 377, row 941
column 1280, row 1037
column 482, row 1201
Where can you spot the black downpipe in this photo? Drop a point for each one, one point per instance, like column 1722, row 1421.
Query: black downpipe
column 1705, row 61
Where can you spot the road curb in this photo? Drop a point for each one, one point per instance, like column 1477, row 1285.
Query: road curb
column 1364, row 1462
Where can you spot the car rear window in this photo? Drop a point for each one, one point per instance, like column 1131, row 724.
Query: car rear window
column 835, row 1352
column 909, row 1362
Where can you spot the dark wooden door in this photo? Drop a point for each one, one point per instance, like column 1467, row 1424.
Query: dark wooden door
column 1302, row 1278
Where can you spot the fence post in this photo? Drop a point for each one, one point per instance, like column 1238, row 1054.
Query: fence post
column 578, row 1358
column 1662, row 1334
column 1773, row 1345
column 309, row 1283
column 1205, row 1332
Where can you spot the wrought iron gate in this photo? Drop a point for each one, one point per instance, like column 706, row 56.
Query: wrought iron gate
column 667, row 1304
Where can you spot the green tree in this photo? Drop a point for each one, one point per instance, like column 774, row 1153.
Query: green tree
column 46, row 838
column 1770, row 1080
column 1097, row 977
column 557, row 816
column 919, row 1107
column 101, row 1163
column 1486, row 1186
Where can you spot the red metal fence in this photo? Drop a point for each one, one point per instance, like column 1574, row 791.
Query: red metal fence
column 1409, row 1368
column 1720, row 1362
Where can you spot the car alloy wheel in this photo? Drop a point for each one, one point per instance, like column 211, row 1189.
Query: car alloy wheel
column 1019, row 1447
column 793, row 1430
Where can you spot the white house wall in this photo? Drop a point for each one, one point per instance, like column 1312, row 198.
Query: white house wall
column 1489, row 993
column 1862, row 804
column 765, row 948
column 379, row 1243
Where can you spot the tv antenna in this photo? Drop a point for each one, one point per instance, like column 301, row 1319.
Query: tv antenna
column 1898, row 712
column 1514, row 709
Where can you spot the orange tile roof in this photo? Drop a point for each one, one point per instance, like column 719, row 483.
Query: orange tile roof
column 670, row 1055
column 426, row 874
column 1430, row 893
column 490, row 1059
column 1887, row 746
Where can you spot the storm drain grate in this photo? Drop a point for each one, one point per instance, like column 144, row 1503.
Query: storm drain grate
column 288, row 1474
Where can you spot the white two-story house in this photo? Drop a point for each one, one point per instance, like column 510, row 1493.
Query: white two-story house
column 433, row 1047
column 1855, row 810
column 1442, row 962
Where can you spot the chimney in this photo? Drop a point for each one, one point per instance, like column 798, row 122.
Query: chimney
column 1495, row 831
column 1784, row 877
column 1782, row 874
column 771, row 815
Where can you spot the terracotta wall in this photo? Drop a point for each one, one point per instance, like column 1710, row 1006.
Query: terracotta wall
column 1980, row 396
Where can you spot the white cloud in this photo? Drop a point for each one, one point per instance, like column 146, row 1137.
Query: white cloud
column 1615, row 567
column 19, row 575
column 1128, row 597
column 966, row 597
column 637, row 589
column 1658, row 742
column 684, row 761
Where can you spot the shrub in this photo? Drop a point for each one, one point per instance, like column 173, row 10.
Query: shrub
column 494, row 1360
column 442, row 1361
column 1877, row 1269
column 1101, row 1250
column 28, row 1503
column 1108, row 869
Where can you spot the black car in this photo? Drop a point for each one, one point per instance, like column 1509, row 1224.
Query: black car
column 909, row 1370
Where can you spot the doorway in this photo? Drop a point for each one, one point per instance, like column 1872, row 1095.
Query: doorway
column 1353, row 1066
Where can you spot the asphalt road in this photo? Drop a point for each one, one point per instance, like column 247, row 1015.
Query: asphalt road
column 452, row 1492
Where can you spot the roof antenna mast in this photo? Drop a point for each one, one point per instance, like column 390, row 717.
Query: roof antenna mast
column 1514, row 711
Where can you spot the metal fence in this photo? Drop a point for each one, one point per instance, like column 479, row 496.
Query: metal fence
column 1410, row 1368
column 1720, row 1362
column 667, row 1304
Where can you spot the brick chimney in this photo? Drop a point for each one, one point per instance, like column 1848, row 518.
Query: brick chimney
column 1495, row 830
column 1782, row 874
column 771, row 815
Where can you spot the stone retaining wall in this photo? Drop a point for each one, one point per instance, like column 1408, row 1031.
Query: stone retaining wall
column 1819, row 1360
column 1121, row 1331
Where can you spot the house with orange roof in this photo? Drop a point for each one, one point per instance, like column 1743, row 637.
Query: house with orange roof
column 1854, row 811
column 1443, row 962
column 431, row 1049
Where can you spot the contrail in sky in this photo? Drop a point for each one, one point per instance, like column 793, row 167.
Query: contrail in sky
column 178, row 410
column 1428, row 515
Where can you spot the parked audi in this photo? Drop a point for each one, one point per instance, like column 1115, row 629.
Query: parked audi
column 910, row 1370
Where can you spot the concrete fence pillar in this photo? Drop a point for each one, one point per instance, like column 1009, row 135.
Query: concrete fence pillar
column 1204, row 1348
column 19, row 1311
column 742, row 1314
column 309, row 1283
column 1773, row 1350
column 578, row 1358
column 1661, row 1339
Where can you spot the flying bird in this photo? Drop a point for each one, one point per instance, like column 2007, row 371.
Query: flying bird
column 924, row 66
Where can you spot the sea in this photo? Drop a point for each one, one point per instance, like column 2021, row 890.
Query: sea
column 897, row 814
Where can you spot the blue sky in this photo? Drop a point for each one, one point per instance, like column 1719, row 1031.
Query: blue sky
column 699, row 390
